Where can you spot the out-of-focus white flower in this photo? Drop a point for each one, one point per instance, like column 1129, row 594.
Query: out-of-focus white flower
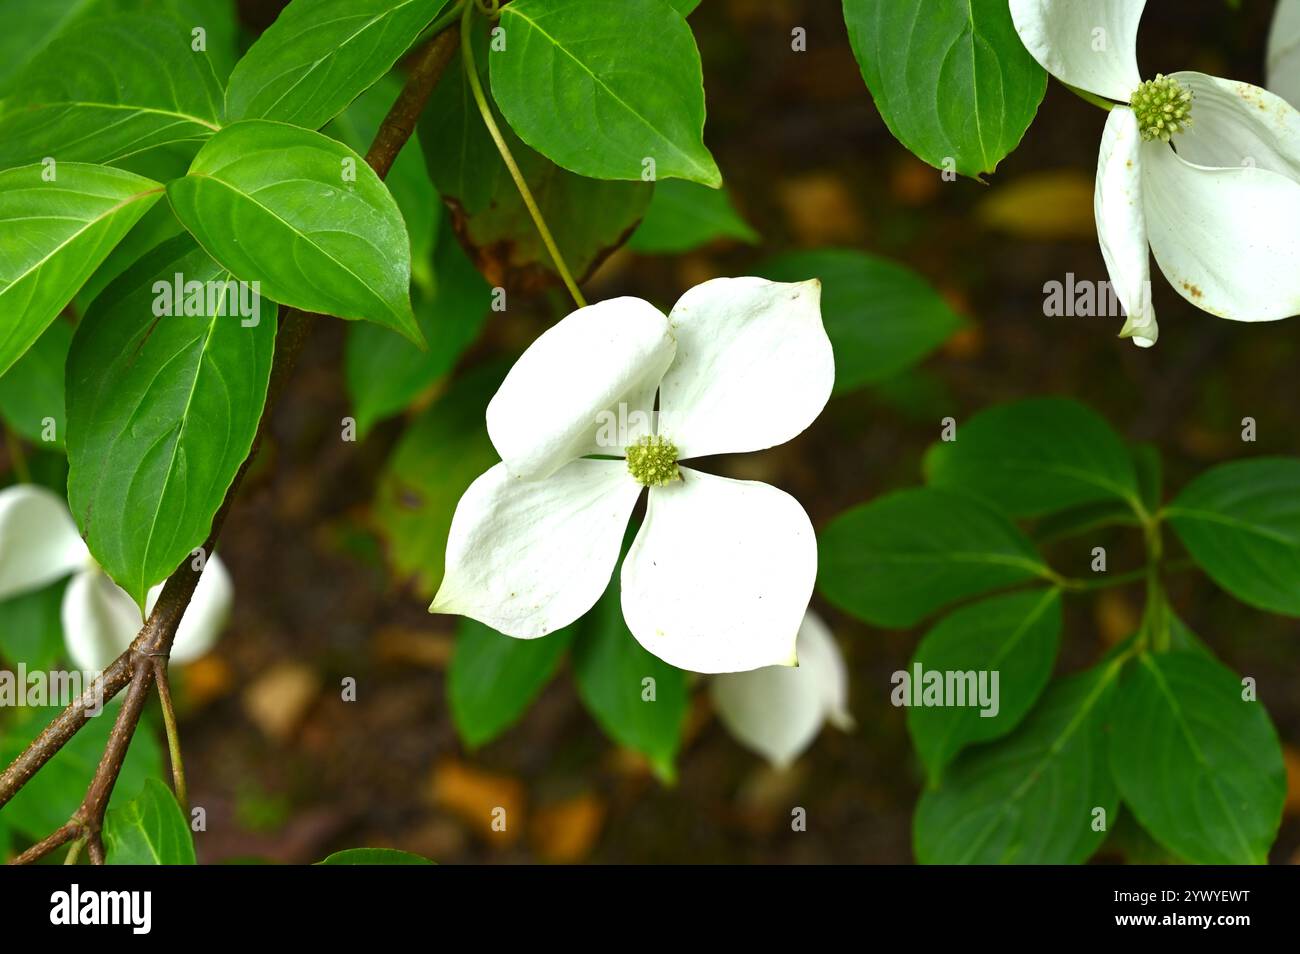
column 39, row 544
column 1205, row 172
column 1284, row 52
column 778, row 711
column 721, row 571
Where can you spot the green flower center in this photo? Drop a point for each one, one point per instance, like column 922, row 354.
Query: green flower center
column 1163, row 107
column 652, row 462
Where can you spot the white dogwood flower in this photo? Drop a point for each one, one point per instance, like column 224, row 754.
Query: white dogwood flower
column 1284, row 52
column 721, row 570
column 39, row 545
column 778, row 711
column 1205, row 172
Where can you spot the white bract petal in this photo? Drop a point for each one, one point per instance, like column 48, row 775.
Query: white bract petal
column 720, row 574
column 1284, row 52
column 530, row 557
column 39, row 542
column 552, row 406
column 754, row 366
column 1236, row 124
column 1090, row 44
column 207, row 614
column 777, row 711
column 1121, row 223
column 99, row 620
column 1225, row 238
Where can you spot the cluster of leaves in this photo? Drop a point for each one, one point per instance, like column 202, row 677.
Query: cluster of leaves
column 1158, row 723
column 137, row 144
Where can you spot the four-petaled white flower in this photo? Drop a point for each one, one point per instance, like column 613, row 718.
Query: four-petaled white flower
column 39, row 545
column 721, row 570
column 1284, row 52
column 1203, row 171
column 778, row 711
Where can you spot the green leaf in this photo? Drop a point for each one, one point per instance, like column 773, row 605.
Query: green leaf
column 162, row 410
column 685, row 215
column 68, row 226
column 319, row 55
column 407, row 179
column 51, row 795
column 882, row 318
column 1016, row 636
column 901, row 557
column 638, row 699
column 1035, row 457
column 950, row 78
column 599, row 86
column 31, row 392
column 108, row 89
column 684, row 7
column 155, row 227
column 31, row 628
column 588, row 217
column 277, row 204
column 385, row 372
column 493, row 678
column 374, row 856
column 33, row 24
column 438, row 457
column 149, row 830
column 1029, row 798
column 1200, row 767
column 1241, row 523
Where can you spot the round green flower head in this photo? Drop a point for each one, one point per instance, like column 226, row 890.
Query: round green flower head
column 652, row 461
column 1163, row 107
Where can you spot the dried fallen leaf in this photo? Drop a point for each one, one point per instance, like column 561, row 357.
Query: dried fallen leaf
column 491, row 805
column 565, row 832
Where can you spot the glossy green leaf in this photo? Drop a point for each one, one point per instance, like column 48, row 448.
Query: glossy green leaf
column 1241, row 523
column 950, row 78
column 109, row 89
column 31, row 25
column 319, row 55
column 1036, row 456
column 374, row 856
column 304, row 215
column 901, row 557
column 162, row 409
column 385, row 372
column 882, row 318
column 494, row 678
column 1200, row 766
column 151, row 829
column 31, row 628
column 31, row 392
column 1016, row 636
column 588, row 217
column 637, row 698
column 51, row 795
column 601, row 86
column 438, row 457
column 685, row 215
column 155, row 227
column 1032, row 797
column 68, row 226
column 407, row 179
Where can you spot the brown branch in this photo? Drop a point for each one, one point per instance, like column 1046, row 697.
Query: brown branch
column 134, row 667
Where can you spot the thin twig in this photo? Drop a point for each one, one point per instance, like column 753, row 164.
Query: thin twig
column 135, row 667
column 173, row 733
